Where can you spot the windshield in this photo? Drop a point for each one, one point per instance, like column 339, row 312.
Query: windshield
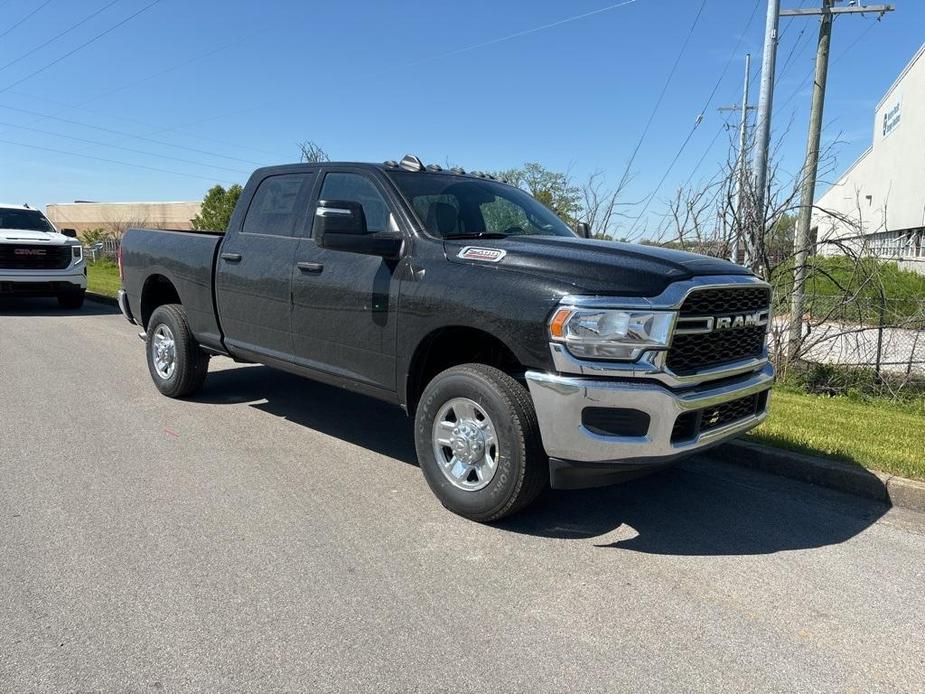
column 451, row 206
column 29, row 220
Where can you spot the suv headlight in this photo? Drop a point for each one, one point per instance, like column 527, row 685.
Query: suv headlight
column 77, row 253
column 592, row 333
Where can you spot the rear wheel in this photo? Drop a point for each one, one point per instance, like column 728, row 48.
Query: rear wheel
column 72, row 300
column 177, row 366
column 478, row 442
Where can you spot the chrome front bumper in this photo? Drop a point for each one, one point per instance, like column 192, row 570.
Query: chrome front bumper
column 559, row 401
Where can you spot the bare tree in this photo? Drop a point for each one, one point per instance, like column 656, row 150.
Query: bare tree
column 600, row 204
column 311, row 152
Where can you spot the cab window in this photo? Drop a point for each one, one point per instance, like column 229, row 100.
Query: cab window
column 358, row 188
column 274, row 209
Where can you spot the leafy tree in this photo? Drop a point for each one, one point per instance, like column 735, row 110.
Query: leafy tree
column 552, row 188
column 217, row 206
column 778, row 240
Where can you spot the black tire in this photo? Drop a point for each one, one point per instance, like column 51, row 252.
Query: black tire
column 522, row 470
column 191, row 364
column 71, row 300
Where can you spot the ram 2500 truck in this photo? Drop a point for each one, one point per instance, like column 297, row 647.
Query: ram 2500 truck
column 38, row 260
column 527, row 355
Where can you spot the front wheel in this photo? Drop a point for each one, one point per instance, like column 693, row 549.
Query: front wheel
column 478, row 442
column 177, row 366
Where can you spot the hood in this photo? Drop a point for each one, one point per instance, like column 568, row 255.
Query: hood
column 596, row 267
column 29, row 236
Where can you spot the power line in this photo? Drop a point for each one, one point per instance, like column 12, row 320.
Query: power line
column 525, row 32
column 696, row 122
column 35, row 11
column 871, row 24
column 661, row 95
column 456, row 51
column 112, row 131
column 80, row 47
column 147, row 124
column 723, row 126
column 154, row 75
column 109, row 161
column 58, row 36
column 126, row 149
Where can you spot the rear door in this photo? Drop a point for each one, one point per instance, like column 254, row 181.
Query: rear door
column 254, row 267
column 345, row 304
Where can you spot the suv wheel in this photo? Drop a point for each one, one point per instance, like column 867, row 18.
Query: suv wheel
column 177, row 366
column 478, row 442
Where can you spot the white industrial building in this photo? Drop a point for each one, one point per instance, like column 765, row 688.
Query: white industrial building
column 878, row 204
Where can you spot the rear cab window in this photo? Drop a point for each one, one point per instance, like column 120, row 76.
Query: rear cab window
column 278, row 207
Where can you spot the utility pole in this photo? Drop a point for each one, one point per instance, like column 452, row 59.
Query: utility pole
column 801, row 239
column 741, row 164
column 762, row 134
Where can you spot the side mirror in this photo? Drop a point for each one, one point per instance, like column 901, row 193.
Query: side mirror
column 340, row 225
column 583, row 230
column 70, row 233
column 339, row 217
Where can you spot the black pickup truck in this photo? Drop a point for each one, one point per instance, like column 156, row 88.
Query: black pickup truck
column 528, row 355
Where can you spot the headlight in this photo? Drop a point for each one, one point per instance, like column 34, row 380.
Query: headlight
column 592, row 333
column 77, row 252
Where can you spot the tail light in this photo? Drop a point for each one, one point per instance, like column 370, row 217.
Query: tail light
column 121, row 266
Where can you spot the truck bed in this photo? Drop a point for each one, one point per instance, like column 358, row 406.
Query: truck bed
column 187, row 260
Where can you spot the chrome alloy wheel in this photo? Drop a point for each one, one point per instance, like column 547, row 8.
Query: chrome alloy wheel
column 163, row 352
column 465, row 444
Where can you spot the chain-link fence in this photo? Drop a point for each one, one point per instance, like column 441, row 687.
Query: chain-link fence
column 886, row 334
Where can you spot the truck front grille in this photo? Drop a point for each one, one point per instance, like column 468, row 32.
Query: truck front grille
column 690, row 353
column 691, row 424
column 34, row 257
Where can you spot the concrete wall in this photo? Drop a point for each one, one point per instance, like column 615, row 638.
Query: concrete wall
column 884, row 190
column 119, row 216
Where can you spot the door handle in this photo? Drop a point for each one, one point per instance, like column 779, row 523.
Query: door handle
column 232, row 257
column 310, row 267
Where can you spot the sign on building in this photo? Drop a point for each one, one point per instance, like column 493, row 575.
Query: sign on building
column 891, row 117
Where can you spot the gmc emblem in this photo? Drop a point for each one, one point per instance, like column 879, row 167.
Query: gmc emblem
column 29, row 251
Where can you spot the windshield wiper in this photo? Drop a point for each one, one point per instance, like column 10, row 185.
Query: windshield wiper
column 478, row 235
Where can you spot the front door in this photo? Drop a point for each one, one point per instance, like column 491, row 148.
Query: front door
column 345, row 304
column 254, row 269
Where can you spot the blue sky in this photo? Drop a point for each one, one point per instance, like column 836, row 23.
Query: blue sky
column 193, row 93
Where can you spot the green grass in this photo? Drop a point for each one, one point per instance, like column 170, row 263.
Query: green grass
column 876, row 434
column 103, row 278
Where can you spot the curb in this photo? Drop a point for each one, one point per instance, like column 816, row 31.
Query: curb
column 101, row 299
column 834, row 474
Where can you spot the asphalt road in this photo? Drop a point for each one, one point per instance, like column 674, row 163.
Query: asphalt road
column 275, row 534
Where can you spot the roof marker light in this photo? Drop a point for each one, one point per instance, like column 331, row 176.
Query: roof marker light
column 409, row 162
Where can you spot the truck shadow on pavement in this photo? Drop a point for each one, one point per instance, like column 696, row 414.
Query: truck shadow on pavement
column 48, row 308
column 701, row 507
column 351, row 417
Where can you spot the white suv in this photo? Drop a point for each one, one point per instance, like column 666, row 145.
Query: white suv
column 38, row 260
